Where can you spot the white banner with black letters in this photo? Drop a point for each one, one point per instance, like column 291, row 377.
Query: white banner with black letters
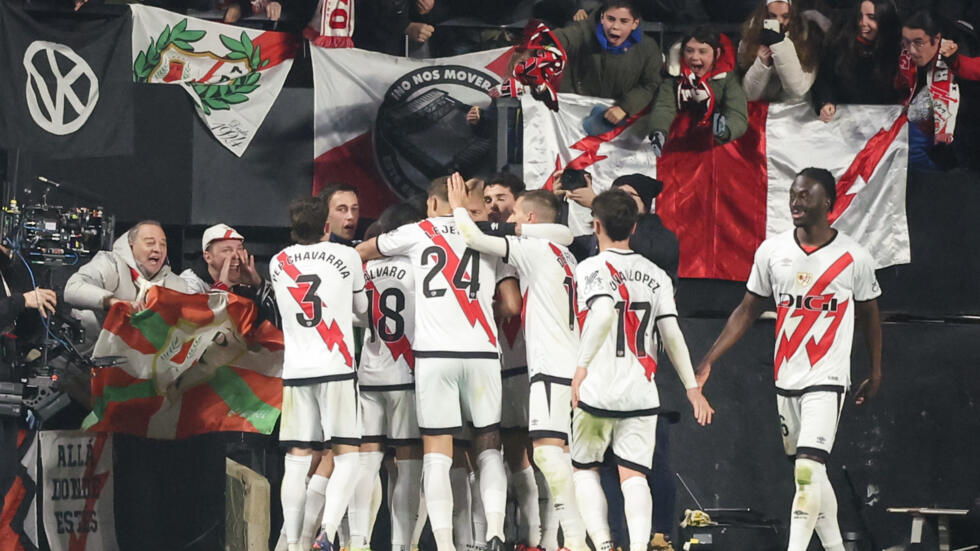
column 77, row 484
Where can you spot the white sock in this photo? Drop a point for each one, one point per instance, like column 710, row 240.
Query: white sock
column 593, row 508
column 359, row 511
column 527, row 498
column 810, row 476
column 462, row 514
column 827, row 528
column 316, row 492
column 478, row 515
column 638, row 505
column 420, row 521
column 439, row 498
column 546, row 508
column 293, row 494
column 404, row 502
column 346, row 467
column 493, row 490
column 377, row 496
column 556, row 467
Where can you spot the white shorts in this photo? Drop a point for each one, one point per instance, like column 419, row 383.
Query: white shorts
column 388, row 417
column 633, row 440
column 514, row 398
column 809, row 418
column 447, row 390
column 550, row 407
column 320, row 413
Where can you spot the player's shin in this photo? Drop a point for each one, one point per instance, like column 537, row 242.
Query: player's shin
column 405, row 502
column 293, row 494
column 493, row 489
column 592, row 506
column 526, row 489
column 359, row 512
column 638, row 505
column 439, row 498
column 556, row 467
column 809, row 476
column 478, row 515
column 549, row 518
column 339, row 490
column 827, row 528
column 459, row 479
column 316, row 492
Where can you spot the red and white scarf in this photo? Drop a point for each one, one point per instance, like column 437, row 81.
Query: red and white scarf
column 943, row 89
column 336, row 24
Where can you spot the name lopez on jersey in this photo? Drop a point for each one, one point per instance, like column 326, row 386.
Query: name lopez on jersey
column 321, row 256
column 633, row 275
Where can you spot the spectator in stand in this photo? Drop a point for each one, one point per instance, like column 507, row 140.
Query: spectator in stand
column 932, row 100
column 860, row 61
column 609, row 57
column 780, row 65
column 707, row 96
column 382, row 26
column 236, row 9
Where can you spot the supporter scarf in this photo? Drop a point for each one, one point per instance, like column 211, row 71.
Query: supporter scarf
column 337, row 23
column 541, row 71
column 632, row 39
column 944, row 91
column 694, row 95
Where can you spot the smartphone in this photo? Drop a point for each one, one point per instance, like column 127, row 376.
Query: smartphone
column 573, row 178
column 771, row 24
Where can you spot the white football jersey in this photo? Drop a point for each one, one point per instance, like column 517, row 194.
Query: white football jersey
column 386, row 356
column 551, row 325
column 454, row 288
column 317, row 287
column 815, row 294
column 621, row 376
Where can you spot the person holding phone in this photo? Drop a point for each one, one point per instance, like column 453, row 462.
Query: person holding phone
column 778, row 53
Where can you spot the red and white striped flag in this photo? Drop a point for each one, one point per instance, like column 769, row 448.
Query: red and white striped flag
column 724, row 201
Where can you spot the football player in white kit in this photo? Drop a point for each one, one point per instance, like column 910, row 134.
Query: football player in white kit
column 319, row 289
column 629, row 301
column 819, row 278
column 386, row 383
column 546, row 272
column 457, row 374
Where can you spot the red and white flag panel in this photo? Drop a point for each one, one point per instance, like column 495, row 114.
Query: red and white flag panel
column 389, row 125
column 724, row 201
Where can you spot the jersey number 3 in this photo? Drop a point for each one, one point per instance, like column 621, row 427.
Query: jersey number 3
column 310, row 298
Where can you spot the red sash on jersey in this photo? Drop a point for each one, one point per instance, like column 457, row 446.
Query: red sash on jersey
column 815, row 350
column 331, row 334
column 633, row 326
column 580, row 316
column 471, row 308
column 401, row 347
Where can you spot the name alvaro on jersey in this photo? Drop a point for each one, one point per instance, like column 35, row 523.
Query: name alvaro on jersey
column 394, row 272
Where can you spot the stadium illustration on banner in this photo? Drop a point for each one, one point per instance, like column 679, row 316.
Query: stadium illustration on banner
column 421, row 130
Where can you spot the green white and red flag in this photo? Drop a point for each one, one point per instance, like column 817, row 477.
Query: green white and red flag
column 187, row 365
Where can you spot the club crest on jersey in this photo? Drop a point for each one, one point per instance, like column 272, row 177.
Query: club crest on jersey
column 814, row 303
column 804, row 279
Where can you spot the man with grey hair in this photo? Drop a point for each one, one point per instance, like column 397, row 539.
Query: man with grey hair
column 137, row 261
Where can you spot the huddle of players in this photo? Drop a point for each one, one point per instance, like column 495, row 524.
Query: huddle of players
column 431, row 366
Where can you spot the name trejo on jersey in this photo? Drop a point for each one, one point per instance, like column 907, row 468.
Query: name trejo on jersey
column 323, row 257
column 638, row 276
column 385, row 271
column 815, row 303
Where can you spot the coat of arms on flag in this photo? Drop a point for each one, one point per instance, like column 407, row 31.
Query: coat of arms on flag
column 234, row 75
column 188, row 364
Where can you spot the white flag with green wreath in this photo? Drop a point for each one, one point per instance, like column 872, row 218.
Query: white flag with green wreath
column 234, row 75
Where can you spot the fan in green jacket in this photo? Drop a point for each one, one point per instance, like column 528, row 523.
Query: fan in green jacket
column 609, row 57
column 706, row 99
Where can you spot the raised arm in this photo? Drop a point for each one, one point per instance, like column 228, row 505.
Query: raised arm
column 868, row 319
column 738, row 323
